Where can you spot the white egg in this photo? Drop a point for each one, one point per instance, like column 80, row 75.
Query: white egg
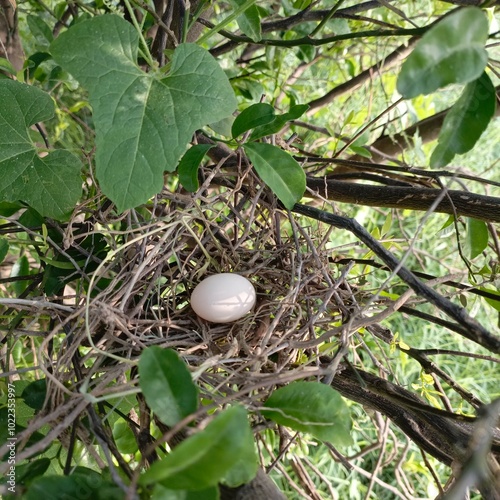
column 223, row 298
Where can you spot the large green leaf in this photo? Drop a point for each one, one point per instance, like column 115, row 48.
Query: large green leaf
column 311, row 407
column 466, row 121
column 51, row 185
column 167, row 385
column 452, row 51
column 279, row 171
column 143, row 121
column 203, row 460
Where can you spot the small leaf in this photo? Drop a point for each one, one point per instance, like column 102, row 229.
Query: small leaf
column 279, row 171
column 124, row 437
column 188, row 166
column 254, row 116
column 279, row 122
column 167, row 385
column 202, row 460
column 495, row 303
column 477, row 236
column 466, row 121
column 34, row 394
column 249, row 21
column 311, row 407
column 162, row 493
column 59, row 487
column 4, row 248
column 20, row 268
column 40, row 29
column 452, row 51
column 6, row 65
column 25, row 473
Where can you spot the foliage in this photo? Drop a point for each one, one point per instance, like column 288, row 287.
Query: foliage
column 142, row 150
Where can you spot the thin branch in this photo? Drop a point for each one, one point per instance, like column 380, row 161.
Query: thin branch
column 475, row 331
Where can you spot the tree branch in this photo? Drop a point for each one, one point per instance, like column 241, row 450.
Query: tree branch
column 474, row 331
column 462, row 203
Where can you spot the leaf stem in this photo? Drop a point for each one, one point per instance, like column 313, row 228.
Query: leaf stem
column 145, row 51
column 228, row 20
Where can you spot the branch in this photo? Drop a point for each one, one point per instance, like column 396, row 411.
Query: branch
column 446, row 439
column 474, row 331
column 428, row 129
column 462, row 203
column 388, row 62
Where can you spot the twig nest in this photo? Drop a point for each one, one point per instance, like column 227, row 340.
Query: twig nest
column 222, row 298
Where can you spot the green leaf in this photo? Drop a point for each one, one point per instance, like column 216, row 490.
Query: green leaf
column 279, row 122
column 254, row 116
column 477, row 236
column 279, row 171
column 188, row 166
column 143, row 122
column 25, row 473
column 249, row 21
column 34, row 393
column 202, row 460
column 223, row 127
column 20, row 268
column 167, row 384
column 4, row 248
column 162, row 493
column 466, row 121
column 311, row 407
column 495, row 303
column 124, row 437
column 73, row 486
column 40, row 29
column 6, row 65
column 244, row 468
column 51, row 185
column 452, row 51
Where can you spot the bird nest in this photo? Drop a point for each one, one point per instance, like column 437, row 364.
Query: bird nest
column 138, row 295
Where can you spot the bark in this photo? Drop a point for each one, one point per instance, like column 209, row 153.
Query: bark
column 261, row 487
column 388, row 62
column 448, row 438
column 461, row 203
column 392, row 146
column 10, row 44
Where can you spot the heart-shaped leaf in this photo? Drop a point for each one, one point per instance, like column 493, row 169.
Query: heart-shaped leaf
column 279, row 171
column 466, row 121
column 51, row 185
column 452, row 51
column 143, row 121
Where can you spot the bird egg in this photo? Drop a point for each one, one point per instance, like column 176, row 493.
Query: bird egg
column 222, row 298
